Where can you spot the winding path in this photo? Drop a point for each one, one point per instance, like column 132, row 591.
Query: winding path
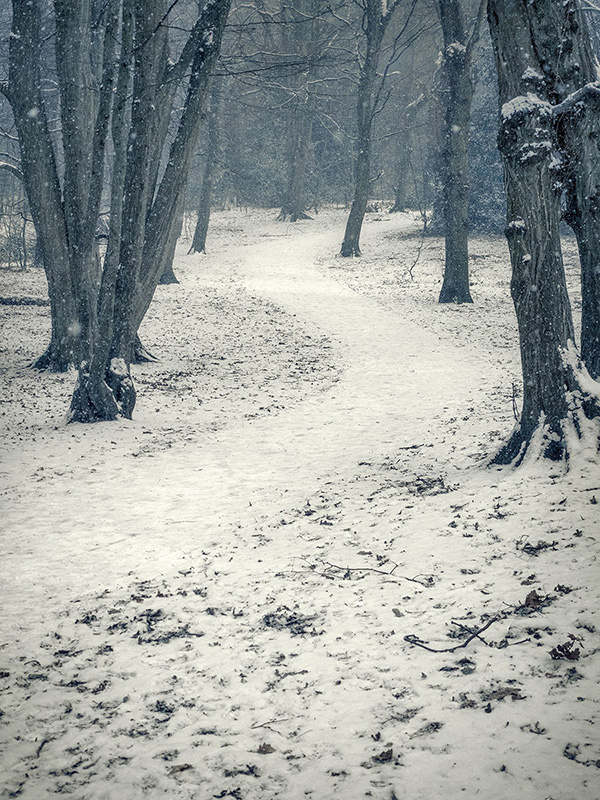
column 397, row 381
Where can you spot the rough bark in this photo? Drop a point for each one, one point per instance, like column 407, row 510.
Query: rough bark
column 556, row 397
column 164, row 217
column 41, row 181
column 569, row 68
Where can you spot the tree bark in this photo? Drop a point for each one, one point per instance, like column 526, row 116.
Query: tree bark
column 41, row 181
column 568, row 69
column 212, row 155
column 86, row 113
column 164, row 217
column 459, row 95
column 556, row 399
column 458, row 92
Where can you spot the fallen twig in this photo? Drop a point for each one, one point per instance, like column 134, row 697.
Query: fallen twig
column 270, row 722
column 426, row 582
column 412, row 639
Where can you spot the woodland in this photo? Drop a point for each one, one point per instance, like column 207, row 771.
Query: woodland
column 300, row 364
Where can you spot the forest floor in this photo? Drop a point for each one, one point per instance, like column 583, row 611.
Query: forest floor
column 292, row 574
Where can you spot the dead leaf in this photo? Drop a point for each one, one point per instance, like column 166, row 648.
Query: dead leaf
column 176, row 768
column 384, row 757
column 534, row 600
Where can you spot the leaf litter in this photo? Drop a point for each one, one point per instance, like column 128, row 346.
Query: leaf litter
column 162, row 628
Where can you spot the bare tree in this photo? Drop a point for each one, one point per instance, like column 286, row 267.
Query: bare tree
column 97, row 307
column 376, row 18
column 560, row 402
column 458, row 95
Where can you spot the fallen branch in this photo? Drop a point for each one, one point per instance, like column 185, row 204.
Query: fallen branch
column 412, row 639
column 428, row 581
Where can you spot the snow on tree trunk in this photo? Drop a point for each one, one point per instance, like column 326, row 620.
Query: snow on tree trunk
column 558, row 401
column 569, row 68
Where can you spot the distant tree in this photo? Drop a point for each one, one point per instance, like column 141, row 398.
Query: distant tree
column 210, row 161
column 561, row 404
column 376, row 18
column 303, row 43
column 458, row 89
column 486, row 196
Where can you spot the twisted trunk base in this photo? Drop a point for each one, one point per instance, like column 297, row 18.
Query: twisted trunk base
column 103, row 398
column 565, row 435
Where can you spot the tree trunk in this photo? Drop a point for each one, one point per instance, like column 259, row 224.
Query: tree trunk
column 165, row 216
column 458, row 96
column 293, row 207
column 569, row 69
column 212, row 156
column 86, row 123
column 402, row 173
column 375, row 25
column 40, row 177
column 555, row 403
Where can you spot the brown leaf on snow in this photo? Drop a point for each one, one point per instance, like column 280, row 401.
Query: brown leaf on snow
column 566, row 651
column 534, row 600
column 384, row 757
column 176, row 768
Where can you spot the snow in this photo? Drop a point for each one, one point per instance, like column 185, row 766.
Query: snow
column 526, row 104
column 213, row 599
column 531, row 74
column 455, row 49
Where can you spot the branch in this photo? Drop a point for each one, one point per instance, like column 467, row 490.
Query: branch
column 12, row 169
column 474, row 37
column 200, row 33
column 411, row 639
column 589, row 91
column 427, row 580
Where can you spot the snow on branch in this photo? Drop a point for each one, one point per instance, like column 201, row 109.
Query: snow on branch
column 591, row 91
column 525, row 104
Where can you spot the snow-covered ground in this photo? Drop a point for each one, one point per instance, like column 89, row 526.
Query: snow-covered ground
column 267, row 584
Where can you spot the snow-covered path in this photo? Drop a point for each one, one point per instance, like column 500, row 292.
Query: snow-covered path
column 174, row 622
column 397, row 381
